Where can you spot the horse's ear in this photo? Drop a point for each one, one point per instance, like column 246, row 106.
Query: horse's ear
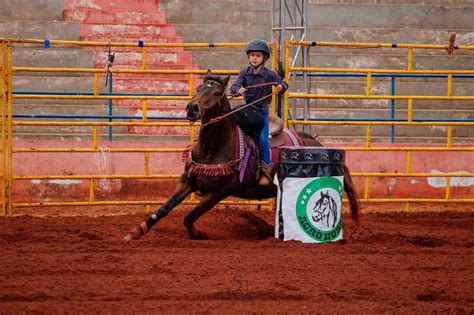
column 208, row 73
column 226, row 79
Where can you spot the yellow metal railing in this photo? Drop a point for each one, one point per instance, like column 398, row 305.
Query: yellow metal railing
column 145, row 122
column 368, row 147
column 8, row 123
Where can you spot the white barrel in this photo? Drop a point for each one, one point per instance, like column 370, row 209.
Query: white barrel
column 309, row 202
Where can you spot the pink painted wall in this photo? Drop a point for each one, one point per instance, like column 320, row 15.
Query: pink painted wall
column 104, row 162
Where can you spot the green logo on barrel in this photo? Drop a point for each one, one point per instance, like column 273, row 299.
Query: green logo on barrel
column 318, row 209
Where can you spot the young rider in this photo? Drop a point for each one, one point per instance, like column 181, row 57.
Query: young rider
column 258, row 52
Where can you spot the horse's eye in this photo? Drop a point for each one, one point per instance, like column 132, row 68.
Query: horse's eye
column 217, row 93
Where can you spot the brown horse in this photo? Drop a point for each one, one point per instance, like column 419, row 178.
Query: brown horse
column 215, row 152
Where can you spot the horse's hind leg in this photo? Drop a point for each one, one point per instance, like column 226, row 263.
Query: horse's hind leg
column 202, row 207
column 181, row 191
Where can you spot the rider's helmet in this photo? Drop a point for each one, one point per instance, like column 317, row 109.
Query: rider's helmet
column 259, row 45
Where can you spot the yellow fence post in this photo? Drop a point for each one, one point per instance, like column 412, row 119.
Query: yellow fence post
column 96, row 84
column 369, row 83
column 144, row 111
column 9, row 83
column 450, row 84
column 410, row 59
column 144, row 61
column 4, row 109
column 408, row 171
column 287, row 75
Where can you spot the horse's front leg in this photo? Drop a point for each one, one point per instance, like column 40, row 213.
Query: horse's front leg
column 181, row 191
column 206, row 204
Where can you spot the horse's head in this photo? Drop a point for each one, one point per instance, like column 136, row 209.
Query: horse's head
column 208, row 102
column 322, row 207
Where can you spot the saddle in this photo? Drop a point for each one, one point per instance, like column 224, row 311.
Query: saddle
column 275, row 131
column 247, row 154
column 279, row 136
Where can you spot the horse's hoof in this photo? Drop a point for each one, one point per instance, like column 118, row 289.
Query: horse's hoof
column 134, row 234
column 129, row 237
column 201, row 236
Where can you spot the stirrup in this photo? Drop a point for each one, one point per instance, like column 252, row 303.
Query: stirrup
column 265, row 175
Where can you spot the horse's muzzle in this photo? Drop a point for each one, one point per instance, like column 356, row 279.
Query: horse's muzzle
column 192, row 112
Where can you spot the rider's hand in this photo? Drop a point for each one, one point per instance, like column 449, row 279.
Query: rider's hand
column 242, row 90
column 279, row 87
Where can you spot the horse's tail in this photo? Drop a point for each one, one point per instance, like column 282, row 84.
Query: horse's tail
column 351, row 192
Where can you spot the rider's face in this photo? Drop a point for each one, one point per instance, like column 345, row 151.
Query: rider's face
column 255, row 58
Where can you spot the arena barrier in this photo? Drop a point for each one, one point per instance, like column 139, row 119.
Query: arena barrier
column 411, row 152
column 53, row 159
column 145, row 163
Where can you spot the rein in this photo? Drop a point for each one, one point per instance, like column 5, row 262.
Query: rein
column 251, row 87
column 218, row 118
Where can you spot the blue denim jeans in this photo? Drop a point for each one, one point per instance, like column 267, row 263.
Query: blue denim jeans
column 265, row 154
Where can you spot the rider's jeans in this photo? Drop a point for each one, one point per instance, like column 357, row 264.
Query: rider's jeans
column 265, row 154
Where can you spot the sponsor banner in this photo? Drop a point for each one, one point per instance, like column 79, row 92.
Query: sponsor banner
column 309, row 209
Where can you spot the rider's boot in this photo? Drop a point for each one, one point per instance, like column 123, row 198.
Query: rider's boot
column 265, row 175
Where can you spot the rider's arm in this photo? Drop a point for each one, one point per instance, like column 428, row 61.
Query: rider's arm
column 276, row 78
column 234, row 88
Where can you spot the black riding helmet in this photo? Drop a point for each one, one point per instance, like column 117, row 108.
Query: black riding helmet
column 258, row 45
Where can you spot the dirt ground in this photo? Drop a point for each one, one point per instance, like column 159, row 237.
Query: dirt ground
column 396, row 262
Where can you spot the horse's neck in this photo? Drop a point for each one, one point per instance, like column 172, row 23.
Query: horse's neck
column 216, row 142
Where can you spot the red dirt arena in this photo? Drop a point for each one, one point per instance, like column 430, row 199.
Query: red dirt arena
column 418, row 262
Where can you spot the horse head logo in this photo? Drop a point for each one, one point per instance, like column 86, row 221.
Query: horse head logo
column 325, row 210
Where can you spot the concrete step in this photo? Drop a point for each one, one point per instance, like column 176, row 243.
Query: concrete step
column 62, row 102
column 103, row 136
column 53, row 57
column 333, row 15
column 388, row 61
column 117, row 16
column 349, row 105
column 112, row 4
column 389, row 15
column 154, row 58
column 347, row 135
column 205, row 33
column 315, row 2
column 346, row 58
column 382, row 86
column 400, row 113
column 47, row 10
column 150, row 85
column 402, row 88
column 62, row 132
column 249, row 13
column 133, row 39
column 40, row 29
column 61, row 109
column 415, row 34
column 425, row 2
column 129, row 30
column 55, row 84
column 384, row 134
